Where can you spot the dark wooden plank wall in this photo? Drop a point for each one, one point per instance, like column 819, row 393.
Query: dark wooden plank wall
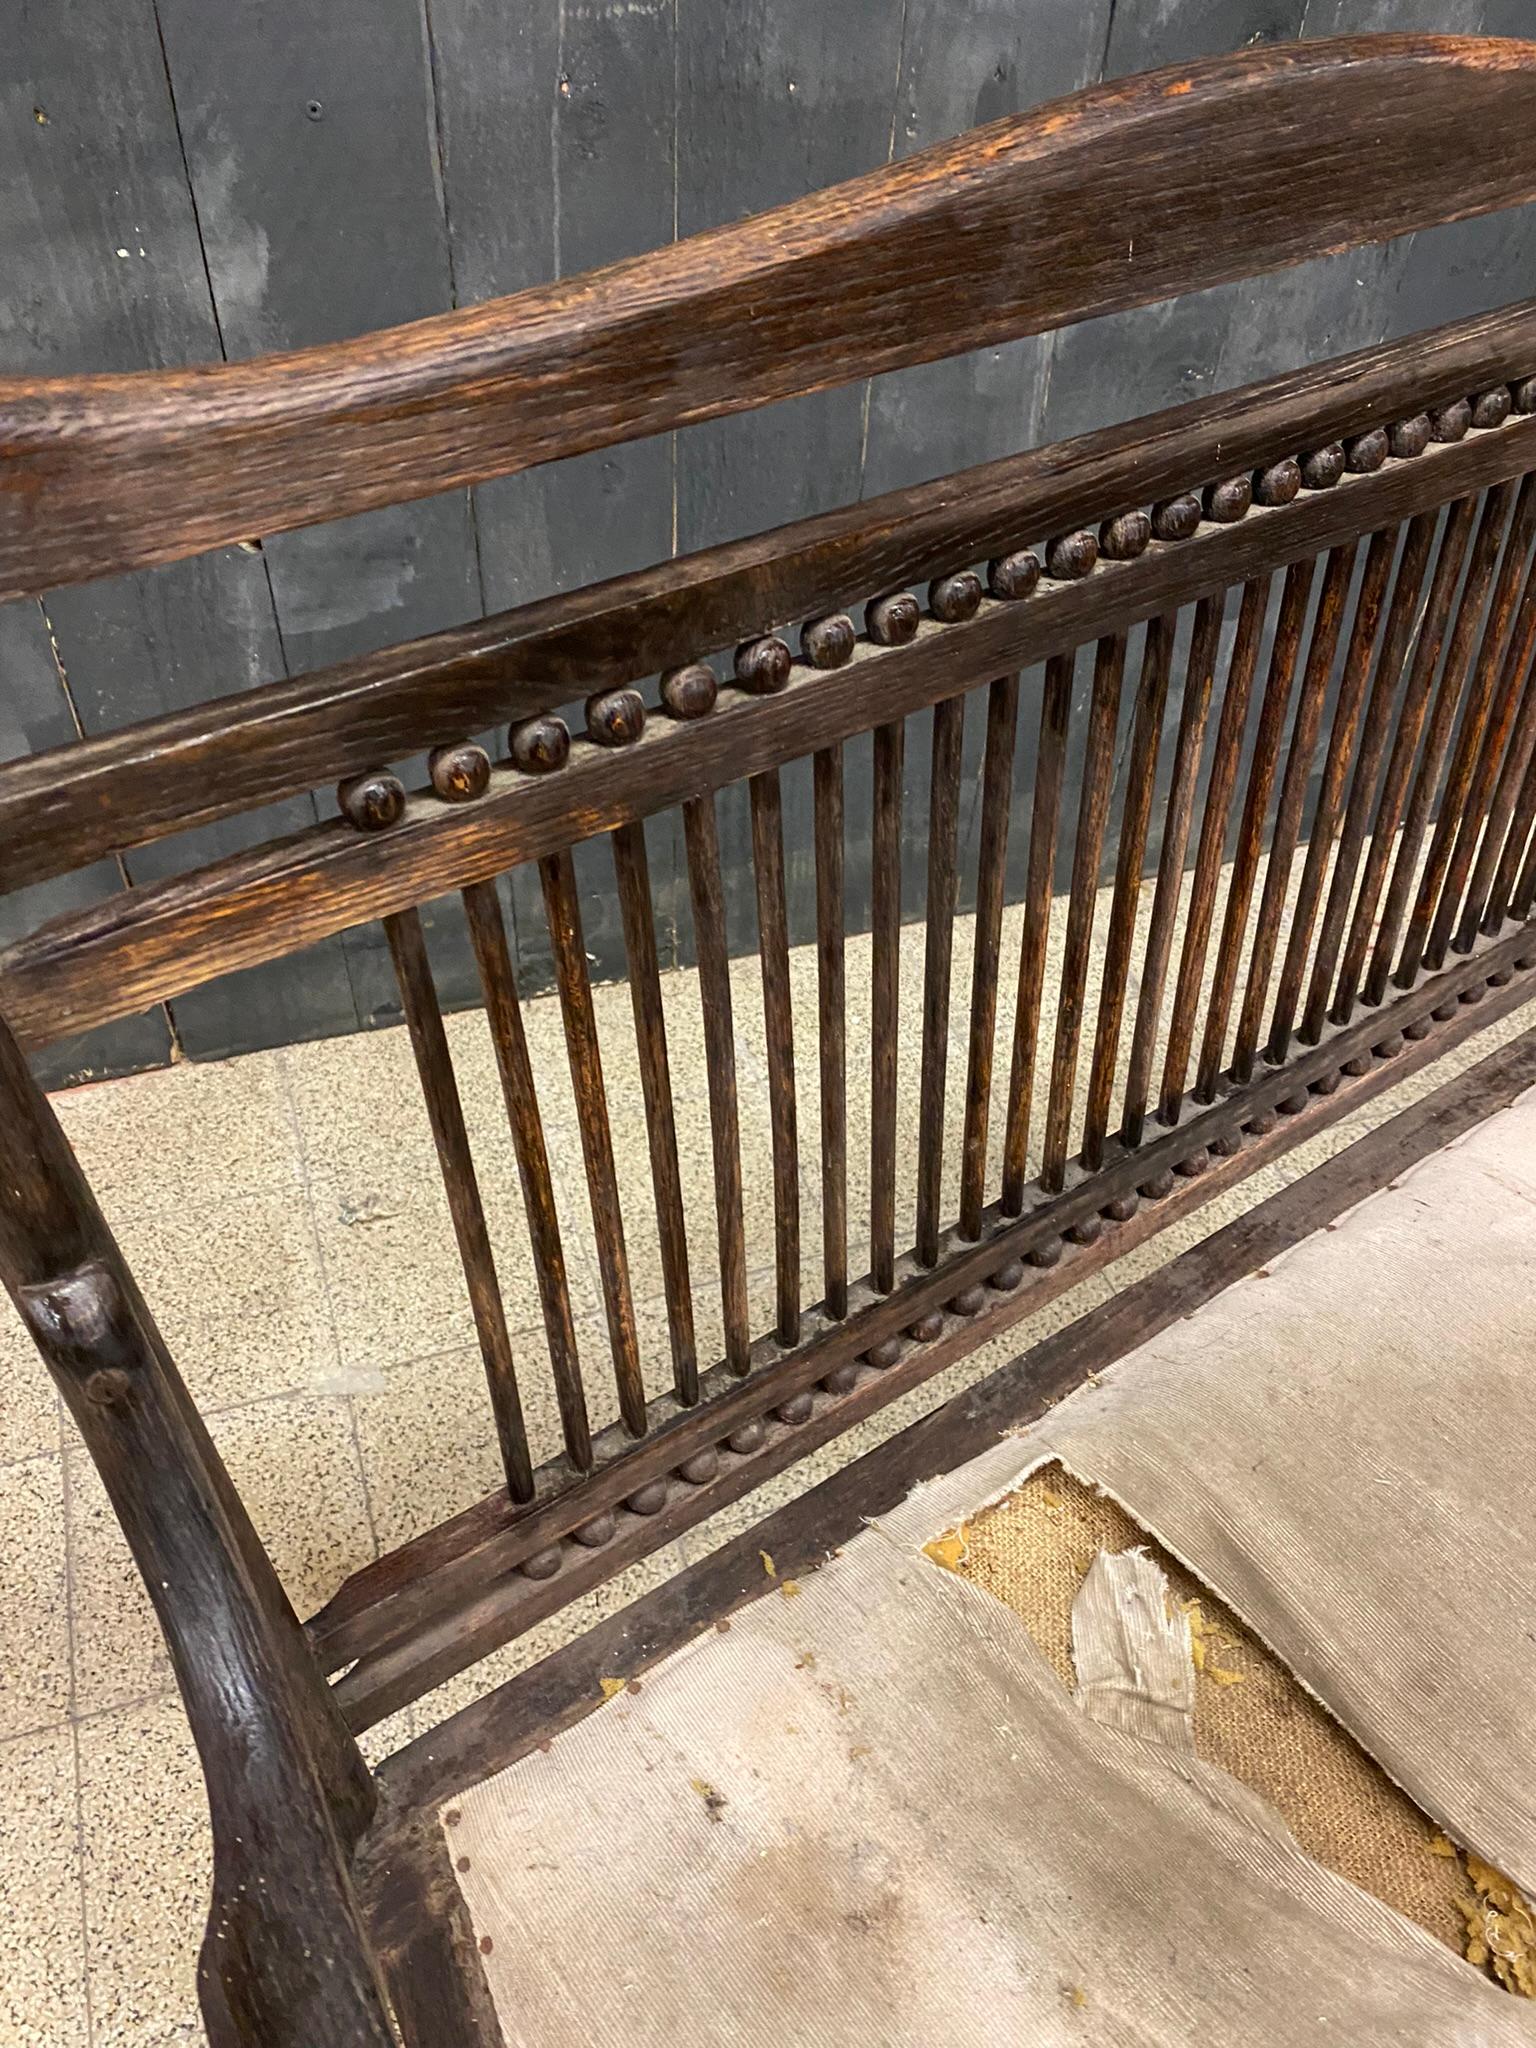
column 177, row 188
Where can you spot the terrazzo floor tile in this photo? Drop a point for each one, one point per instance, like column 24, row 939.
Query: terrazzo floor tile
column 216, row 1130
column 236, row 1288
column 29, row 1408
column 294, row 1461
column 42, row 1982
column 148, row 1866
column 34, row 1609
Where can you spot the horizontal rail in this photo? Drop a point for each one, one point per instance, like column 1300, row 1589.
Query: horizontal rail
column 454, row 1594
column 66, row 807
column 149, row 944
column 1128, row 192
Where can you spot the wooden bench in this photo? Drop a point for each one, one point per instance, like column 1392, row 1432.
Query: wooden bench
column 1311, row 611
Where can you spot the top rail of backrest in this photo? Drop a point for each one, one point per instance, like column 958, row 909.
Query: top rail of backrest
column 1128, row 192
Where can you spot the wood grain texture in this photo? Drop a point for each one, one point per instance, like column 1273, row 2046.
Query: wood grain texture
column 149, row 943
column 61, row 808
column 1322, row 146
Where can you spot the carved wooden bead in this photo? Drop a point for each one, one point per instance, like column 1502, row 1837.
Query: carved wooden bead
column 1008, row 1278
column 1524, row 393
column 649, row 1499
column 828, row 642
column 1124, row 538
column 690, row 691
column 459, row 774
column 1047, row 1254
column 927, row 1327
column 543, row 1564
column 1408, row 438
column 1500, row 977
column 1194, row 1165
column 748, row 1438
column 1364, row 453
column 1176, row 518
column 1293, row 1105
column 1450, row 422
column 1086, row 1230
column 1357, row 1066
column 798, row 1408
column 883, row 1356
column 373, row 801
column 1278, row 484
column 1122, row 1208
column 894, row 620
column 1071, row 554
column 1325, row 1084
column 1262, row 1122
column 842, row 1379
column 970, row 1301
column 1473, row 992
column 1491, row 408
column 1013, row 576
column 763, row 666
column 1159, row 1185
column 1322, row 468
column 701, row 1467
column 953, row 598
column 539, row 745
column 1227, row 501
column 1389, row 1047
column 1419, row 1028
column 594, row 1534
column 1227, row 1144
column 616, row 718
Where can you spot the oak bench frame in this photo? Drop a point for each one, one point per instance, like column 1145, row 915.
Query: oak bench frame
column 1368, row 722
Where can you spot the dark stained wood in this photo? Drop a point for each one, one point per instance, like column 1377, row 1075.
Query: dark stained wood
column 535, row 1706
column 1322, row 145
column 1050, row 756
column 161, row 939
column 939, row 906
column 1326, row 624
column 702, row 836
column 285, row 1958
column 1401, row 618
column 632, row 871
column 885, row 997
column 779, row 1028
column 557, row 875
column 504, row 1015
column 422, row 1932
column 991, row 878
column 1364, row 628
column 440, row 1092
column 1294, row 598
column 1213, row 840
column 1470, row 606
column 1141, row 779
column 1508, row 822
column 827, row 798
column 1476, row 831
column 454, row 1595
column 1482, row 696
column 1092, row 811
column 1199, row 678
column 63, row 807
column 1502, row 891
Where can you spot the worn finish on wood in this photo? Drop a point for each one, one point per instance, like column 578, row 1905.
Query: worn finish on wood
column 1213, row 841
column 702, row 834
column 827, row 774
column 1199, row 677
column 779, row 1031
column 991, row 876
column 558, row 877
column 440, row 1092
column 1322, row 145
column 115, row 789
column 939, row 909
column 1092, row 810
column 632, row 872
column 1050, row 756
column 504, row 1016
column 885, row 998
column 1141, row 777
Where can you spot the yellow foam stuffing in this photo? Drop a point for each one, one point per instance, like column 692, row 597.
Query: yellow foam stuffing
column 1501, row 1930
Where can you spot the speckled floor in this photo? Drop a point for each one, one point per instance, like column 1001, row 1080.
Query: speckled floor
column 285, row 1219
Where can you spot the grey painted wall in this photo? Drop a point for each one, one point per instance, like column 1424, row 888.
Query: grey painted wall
column 184, row 179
